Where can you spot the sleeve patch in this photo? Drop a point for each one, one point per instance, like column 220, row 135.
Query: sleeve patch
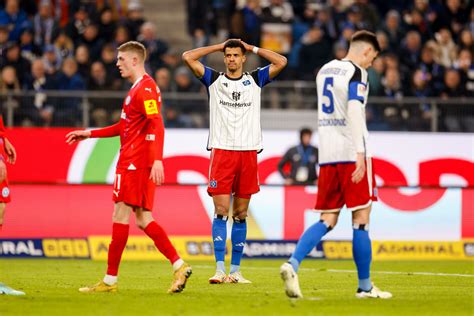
column 357, row 91
column 150, row 107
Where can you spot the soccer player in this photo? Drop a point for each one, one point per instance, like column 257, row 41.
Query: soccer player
column 7, row 154
column 235, row 137
column 346, row 174
column 139, row 167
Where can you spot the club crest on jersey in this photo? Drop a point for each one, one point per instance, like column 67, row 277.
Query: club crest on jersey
column 236, row 96
column 127, row 100
column 246, row 82
column 213, row 184
column 5, row 192
column 150, row 107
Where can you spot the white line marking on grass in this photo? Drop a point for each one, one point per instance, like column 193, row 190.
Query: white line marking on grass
column 408, row 272
column 352, row 271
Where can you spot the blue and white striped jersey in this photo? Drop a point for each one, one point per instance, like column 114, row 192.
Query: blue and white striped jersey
column 234, row 106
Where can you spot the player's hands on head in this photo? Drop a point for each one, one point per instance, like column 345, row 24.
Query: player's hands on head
column 157, row 174
column 248, row 47
column 3, row 171
column 76, row 136
column 11, row 152
column 359, row 171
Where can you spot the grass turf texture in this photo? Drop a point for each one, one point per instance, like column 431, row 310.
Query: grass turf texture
column 52, row 289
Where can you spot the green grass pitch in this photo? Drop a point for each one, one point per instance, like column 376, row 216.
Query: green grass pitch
column 328, row 287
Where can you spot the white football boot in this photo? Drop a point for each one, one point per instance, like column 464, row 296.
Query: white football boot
column 290, row 277
column 374, row 292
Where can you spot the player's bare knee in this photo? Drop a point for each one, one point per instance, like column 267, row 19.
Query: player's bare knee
column 221, row 210
column 239, row 213
column 361, row 217
column 330, row 219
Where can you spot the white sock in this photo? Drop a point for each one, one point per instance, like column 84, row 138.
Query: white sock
column 110, row 279
column 177, row 264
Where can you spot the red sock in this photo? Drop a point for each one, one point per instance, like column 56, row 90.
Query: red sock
column 116, row 247
column 162, row 242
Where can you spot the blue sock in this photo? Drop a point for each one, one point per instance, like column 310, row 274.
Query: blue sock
column 219, row 237
column 238, row 237
column 362, row 253
column 310, row 238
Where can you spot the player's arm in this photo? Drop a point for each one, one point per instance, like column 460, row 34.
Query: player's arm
column 9, row 149
column 356, row 121
column 191, row 57
column 78, row 135
column 278, row 62
column 151, row 107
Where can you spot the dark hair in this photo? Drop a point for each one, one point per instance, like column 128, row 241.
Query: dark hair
column 234, row 44
column 305, row 131
column 366, row 37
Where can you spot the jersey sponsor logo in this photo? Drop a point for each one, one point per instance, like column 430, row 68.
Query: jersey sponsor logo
column 127, row 100
column 150, row 107
column 213, row 184
column 246, row 82
column 236, row 95
column 150, row 137
column 5, row 192
column 235, row 105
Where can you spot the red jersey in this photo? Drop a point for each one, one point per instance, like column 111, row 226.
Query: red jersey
column 140, row 128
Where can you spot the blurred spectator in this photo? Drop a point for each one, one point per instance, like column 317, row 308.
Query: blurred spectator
column 466, row 68
column 347, row 31
column 222, row 10
column 64, row 45
column 393, row 30
column 44, row 25
column 375, row 74
column 14, row 18
column 107, row 24
column 91, row 39
column 369, row 13
column 9, row 83
column 77, row 25
column 339, row 51
column 155, row 47
column 382, row 38
column 453, row 112
column 184, row 81
column 453, row 16
column 67, row 111
column 198, row 18
column 445, row 48
column 173, row 119
column 108, row 58
column 163, row 79
column 418, row 117
column 82, row 57
column 38, row 109
column 28, row 48
column 302, row 160
column 246, row 23
column 135, row 18
column 121, row 36
column 51, row 59
column 14, row 59
column 430, row 67
column 391, row 84
column 313, row 53
column 3, row 43
column 411, row 49
column 466, row 39
column 99, row 81
column 414, row 21
column 354, row 17
column 278, row 11
column 326, row 22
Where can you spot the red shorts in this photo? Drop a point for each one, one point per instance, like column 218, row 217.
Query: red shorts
column 134, row 187
column 233, row 171
column 5, row 192
column 336, row 189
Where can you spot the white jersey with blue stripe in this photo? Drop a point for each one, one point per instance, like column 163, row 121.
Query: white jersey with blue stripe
column 337, row 83
column 234, row 106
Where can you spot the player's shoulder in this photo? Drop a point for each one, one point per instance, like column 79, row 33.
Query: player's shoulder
column 148, row 85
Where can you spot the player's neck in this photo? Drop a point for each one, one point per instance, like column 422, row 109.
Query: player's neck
column 137, row 75
column 353, row 58
column 234, row 74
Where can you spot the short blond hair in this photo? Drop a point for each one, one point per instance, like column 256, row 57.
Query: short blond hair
column 134, row 47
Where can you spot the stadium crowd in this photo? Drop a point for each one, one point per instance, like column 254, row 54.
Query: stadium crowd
column 71, row 45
